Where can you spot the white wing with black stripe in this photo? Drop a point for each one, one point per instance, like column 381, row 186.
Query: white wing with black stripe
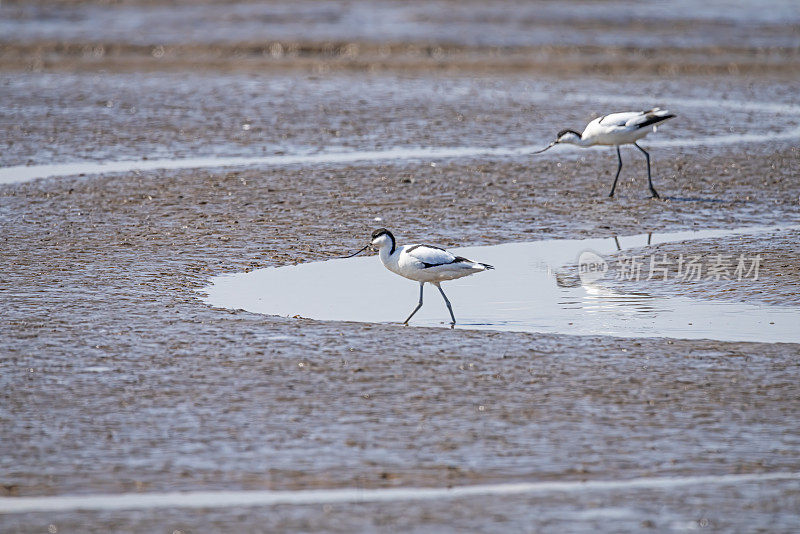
column 429, row 256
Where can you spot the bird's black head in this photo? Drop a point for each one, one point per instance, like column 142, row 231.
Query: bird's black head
column 563, row 132
column 382, row 235
column 380, row 231
column 564, row 136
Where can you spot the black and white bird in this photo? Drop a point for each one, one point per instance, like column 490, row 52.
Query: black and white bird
column 617, row 129
column 422, row 263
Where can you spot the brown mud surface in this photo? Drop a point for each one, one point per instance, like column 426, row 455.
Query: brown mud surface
column 114, row 377
column 355, row 56
column 552, row 38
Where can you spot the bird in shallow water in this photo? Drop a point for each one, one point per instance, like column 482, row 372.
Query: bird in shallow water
column 421, row 263
column 617, row 129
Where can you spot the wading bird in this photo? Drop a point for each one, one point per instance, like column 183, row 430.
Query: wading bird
column 421, row 263
column 617, row 129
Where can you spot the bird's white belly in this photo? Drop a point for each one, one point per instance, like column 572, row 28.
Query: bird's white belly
column 621, row 138
column 438, row 273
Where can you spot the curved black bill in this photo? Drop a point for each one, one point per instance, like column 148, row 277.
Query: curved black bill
column 355, row 253
column 551, row 145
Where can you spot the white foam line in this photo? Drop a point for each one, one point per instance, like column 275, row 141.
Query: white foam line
column 233, row 499
column 24, row 173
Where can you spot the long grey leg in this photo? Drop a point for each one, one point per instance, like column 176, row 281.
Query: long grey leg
column 418, row 305
column 449, row 307
column 649, row 178
column 613, row 187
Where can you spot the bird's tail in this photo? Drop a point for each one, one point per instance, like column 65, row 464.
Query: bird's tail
column 486, row 266
column 657, row 112
column 654, row 116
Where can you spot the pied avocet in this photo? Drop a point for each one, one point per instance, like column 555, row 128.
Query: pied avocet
column 422, row 263
column 624, row 128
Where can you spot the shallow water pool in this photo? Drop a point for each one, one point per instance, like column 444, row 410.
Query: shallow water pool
column 522, row 294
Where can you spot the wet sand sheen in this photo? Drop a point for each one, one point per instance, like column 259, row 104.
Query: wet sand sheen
column 24, row 173
column 227, row 499
column 521, row 295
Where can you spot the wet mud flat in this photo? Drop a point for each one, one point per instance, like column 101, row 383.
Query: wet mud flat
column 116, row 377
column 112, row 116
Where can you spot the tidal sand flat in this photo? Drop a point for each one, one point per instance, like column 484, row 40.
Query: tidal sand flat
column 154, row 151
